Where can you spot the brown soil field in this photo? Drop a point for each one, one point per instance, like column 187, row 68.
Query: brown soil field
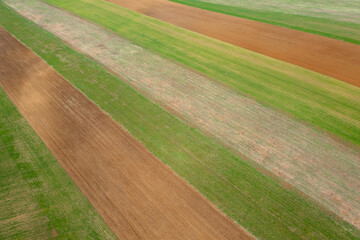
column 136, row 194
column 328, row 56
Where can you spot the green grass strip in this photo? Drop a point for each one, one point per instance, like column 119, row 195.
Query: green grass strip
column 341, row 30
column 38, row 200
column 257, row 202
column 308, row 96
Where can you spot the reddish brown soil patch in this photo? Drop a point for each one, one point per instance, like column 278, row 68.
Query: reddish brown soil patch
column 328, row 56
column 137, row 195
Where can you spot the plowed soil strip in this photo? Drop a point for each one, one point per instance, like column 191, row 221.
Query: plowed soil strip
column 328, row 56
column 136, row 194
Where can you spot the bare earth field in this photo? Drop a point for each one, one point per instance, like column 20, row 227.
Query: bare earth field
column 136, row 194
column 38, row 200
column 328, row 56
column 346, row 10
column 311, row 161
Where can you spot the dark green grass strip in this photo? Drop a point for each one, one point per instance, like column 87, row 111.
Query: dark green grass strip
column 38, row 200
column 322, row 101
column 256, row 201
column 345, row 31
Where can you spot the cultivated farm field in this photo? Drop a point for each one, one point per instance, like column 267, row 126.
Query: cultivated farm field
column 272, row 145
column 330, row 18
column 267, row 137
column 38, row 199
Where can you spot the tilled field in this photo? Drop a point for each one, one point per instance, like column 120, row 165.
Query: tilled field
column 321, row 54
column 333, row 19
column 38, row 200
column 135, row 193
column 309, row 160
column 346, row 10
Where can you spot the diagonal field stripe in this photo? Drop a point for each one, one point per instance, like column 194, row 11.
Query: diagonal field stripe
column 137, row 195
